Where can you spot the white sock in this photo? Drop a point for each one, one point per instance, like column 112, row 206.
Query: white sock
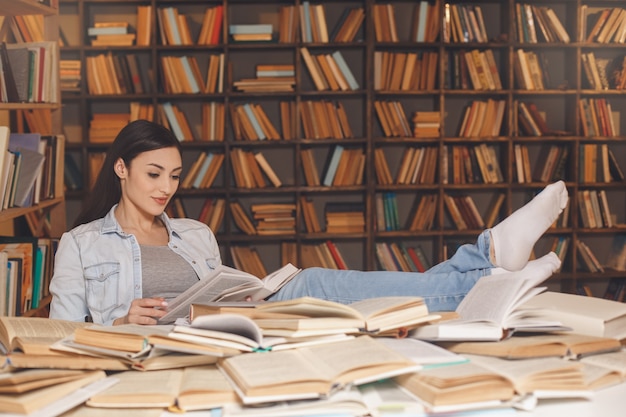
column 514, row 238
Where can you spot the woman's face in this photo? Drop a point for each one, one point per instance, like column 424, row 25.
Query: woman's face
column 151, row 179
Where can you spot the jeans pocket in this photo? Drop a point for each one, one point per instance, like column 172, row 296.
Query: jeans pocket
column 102, row 281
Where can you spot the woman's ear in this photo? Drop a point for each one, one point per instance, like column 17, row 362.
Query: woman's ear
column 120, row 168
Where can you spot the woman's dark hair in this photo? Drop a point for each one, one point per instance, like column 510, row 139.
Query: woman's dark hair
column 135, row 138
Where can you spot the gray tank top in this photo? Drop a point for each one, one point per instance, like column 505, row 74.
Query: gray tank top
column 165, row 273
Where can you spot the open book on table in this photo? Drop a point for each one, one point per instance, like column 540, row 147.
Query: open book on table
column 585, row 315
column 228, row 284
column 313, row 371
column 492, row 310
column 240, row 332
column 308, row 316
column 183, row 389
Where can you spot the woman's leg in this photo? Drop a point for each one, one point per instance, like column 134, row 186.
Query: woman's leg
column 441, row 291
column 507, row 246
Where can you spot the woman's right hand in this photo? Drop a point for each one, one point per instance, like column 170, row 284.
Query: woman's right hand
column 144, row 311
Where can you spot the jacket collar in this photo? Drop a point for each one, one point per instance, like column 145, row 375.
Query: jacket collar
column 110, row 224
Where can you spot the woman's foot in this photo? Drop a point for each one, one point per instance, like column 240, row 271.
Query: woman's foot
column 513, row 239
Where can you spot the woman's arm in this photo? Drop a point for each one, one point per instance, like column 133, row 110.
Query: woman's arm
column 67, row 286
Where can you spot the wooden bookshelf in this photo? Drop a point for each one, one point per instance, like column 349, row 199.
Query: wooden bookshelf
column 47, row 218
column 449, row 95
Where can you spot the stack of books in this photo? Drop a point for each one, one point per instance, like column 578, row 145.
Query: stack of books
column 251, row 32
column 111, row 34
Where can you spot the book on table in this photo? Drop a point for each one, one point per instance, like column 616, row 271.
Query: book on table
column 134, row 344
column 228, row 284
column 185, row 389
column 568, row 345
column 309, row 316
column 492, row 310
column 237, row 331
column 313, row 371
column 25, row 392
column 487, row 378
column 584, row 315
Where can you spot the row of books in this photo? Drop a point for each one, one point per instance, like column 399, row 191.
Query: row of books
column 387, row 218
column 309, row 21
column 28, row 73
column 250, row 169
column 598, row 164
column 203, row 171
column 463, row 212
column 597, row 117
column 594, row 210
column 247, row 258
column 399, row 257
column 322, row 119
column 464, row 23
column 550, row 165
column 114, row 74
column 425, row 22
column 538, row 24
column 596, row 70
column 589, row 260
column 531, row 121
column 482, row 118
column 405, row 71
column 27, row 28
column 329, row 71
column 392, row 118
column 473, row 164
column 250, row 122
column 182, row 75
column 603, row 24
column 418, row 165
column 26, row 265
column 344, row 167
column 472, row 70
column 173, row 27
column 530, row 70
column 28, row 162
column 323, row 254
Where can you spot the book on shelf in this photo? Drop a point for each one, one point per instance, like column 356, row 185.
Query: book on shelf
column 592, row 316
column 241, row 285
column 211, row 29
column 185, row 389
column 247, row 259
column 348, row 25
column 299, row 374
column 506, row 315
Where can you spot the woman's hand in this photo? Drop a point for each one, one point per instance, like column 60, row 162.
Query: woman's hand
column 144, row 311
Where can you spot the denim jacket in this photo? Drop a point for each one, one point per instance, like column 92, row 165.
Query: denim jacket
column 97, row 271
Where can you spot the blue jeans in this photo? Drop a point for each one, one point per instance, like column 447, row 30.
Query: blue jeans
column 443, row 286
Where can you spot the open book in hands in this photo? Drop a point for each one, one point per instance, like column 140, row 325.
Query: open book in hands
column 492, row 310
column 228, row 284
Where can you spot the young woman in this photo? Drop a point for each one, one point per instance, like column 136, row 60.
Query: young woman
column 126, row 258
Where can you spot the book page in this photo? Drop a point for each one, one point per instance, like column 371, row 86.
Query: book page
column 504, row 294
column 356, row 360
column 206, row 290
column 35, row 327
column 250, row 371
column 154, row 389
column 535, row 373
